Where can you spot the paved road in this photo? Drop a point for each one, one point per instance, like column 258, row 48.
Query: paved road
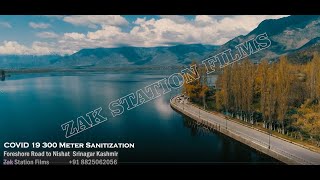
column 285, row 148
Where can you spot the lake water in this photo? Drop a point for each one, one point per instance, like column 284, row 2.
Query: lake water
column 33, row 107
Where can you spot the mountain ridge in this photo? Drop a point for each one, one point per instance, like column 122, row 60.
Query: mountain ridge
column 287, row 34
column 292, row 36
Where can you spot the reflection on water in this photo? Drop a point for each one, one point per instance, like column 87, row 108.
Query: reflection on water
column 163, row 107
column 12, row 86
column 33, row 107
column 196, row 129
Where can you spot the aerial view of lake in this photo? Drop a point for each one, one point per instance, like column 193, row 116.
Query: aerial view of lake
column 33, row 107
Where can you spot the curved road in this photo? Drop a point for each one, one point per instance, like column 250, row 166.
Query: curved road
column 296, row 153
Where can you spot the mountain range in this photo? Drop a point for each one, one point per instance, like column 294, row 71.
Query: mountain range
column 296, row 36
column 288, row 35
column 137, row 56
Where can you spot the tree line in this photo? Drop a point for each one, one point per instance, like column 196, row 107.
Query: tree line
column 280, row 96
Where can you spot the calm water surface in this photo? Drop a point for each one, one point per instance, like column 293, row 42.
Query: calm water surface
column 34, row 106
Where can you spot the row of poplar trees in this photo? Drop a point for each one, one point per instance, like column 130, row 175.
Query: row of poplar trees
column 281, row 95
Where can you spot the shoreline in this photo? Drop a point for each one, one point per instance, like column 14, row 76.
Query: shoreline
column 280, row 149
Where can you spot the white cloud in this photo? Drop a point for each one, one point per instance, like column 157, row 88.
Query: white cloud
column 140, row 20
column 75, row 36
column 106, row 33
column 5, row 25
column 41, row 48
column 202, row 29
column 54, row 16
column 94, row 21
column 13, row 47
column 39, row 25
column 205, row 19
column 143, row 32
column 175, row 18
column 48, row 35
column 37, row 48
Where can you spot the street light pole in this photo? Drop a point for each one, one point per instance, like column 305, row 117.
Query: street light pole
column 183, row 104
column 226, row 124
column 269, row 140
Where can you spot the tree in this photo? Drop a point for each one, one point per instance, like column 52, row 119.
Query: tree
column 283, row 80
column 314, row 77
column 226, row 89
column 196, row 90
column 248, row 74
column 308, row 120
column 262, row 83
column 286, row 95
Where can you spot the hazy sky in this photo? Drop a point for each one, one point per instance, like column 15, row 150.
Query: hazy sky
column 40, row 35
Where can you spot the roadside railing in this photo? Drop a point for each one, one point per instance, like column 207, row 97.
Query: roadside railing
column 240, row 134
